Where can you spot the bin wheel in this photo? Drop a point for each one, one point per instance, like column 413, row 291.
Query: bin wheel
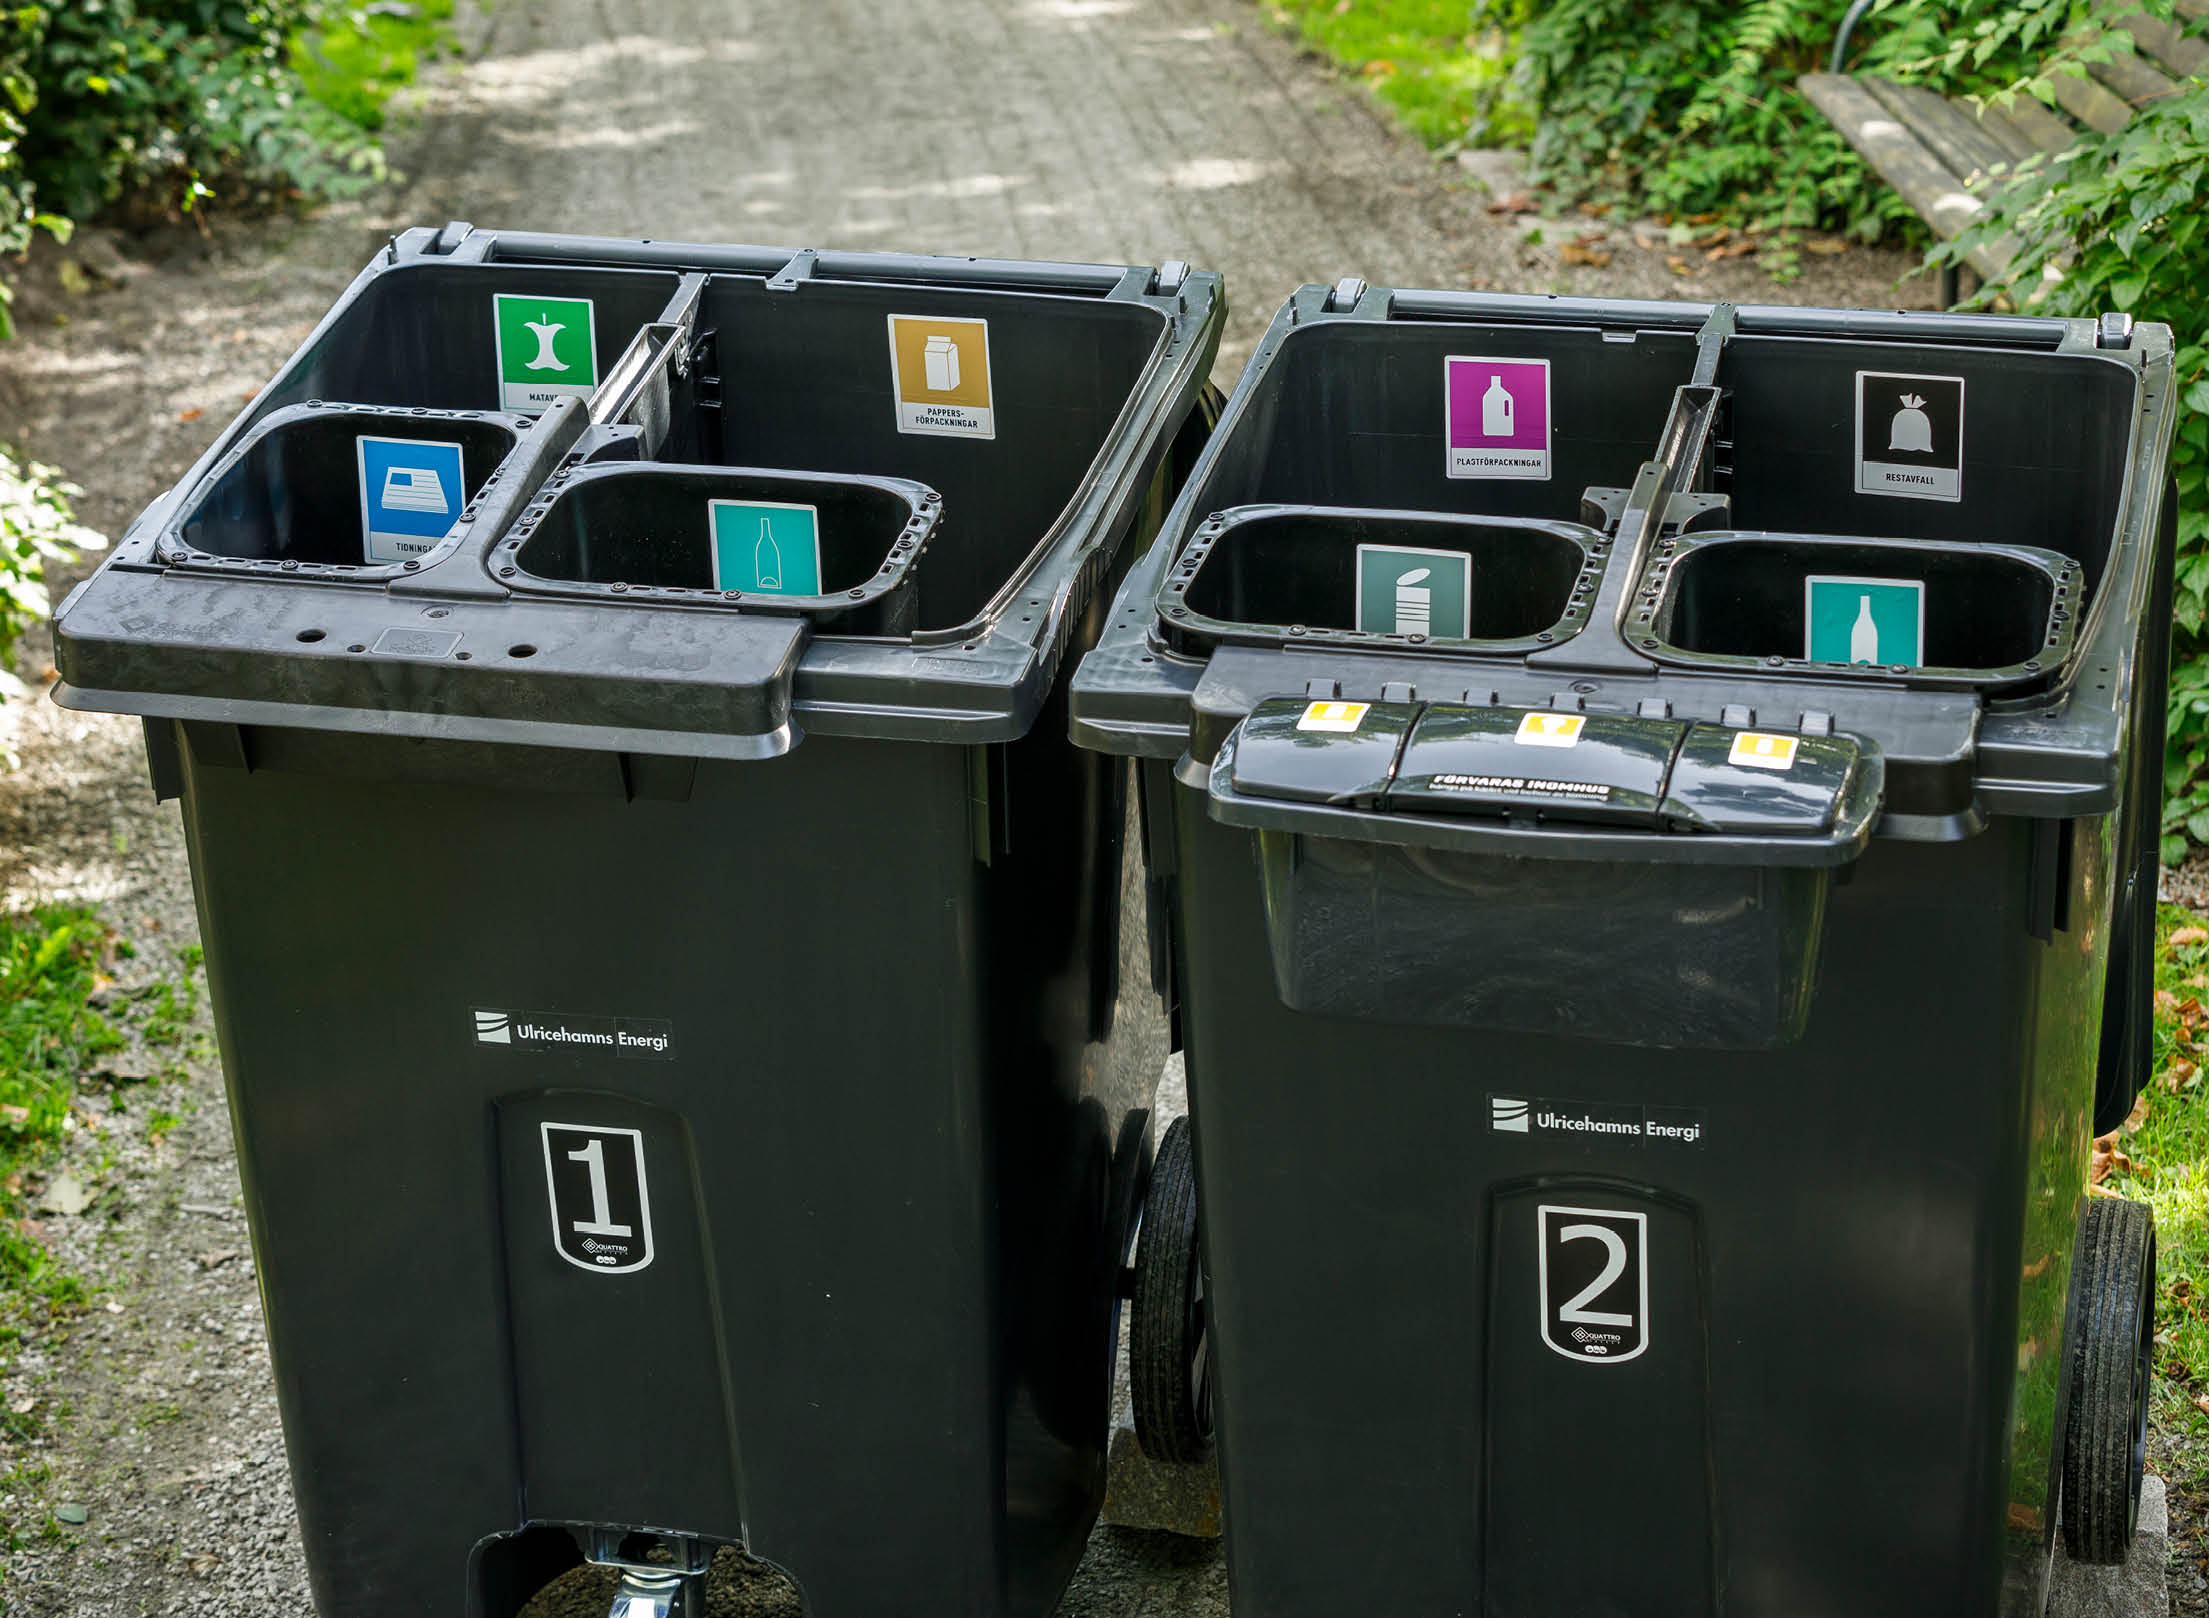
column 1169, row 1349
column 2105, row 1442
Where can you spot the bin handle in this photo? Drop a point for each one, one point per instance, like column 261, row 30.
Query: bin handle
column 1853, row 820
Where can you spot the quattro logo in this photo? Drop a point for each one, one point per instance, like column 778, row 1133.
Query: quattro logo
column 601, row 1210
column 1595, row 1282
column 1551, row 730
column 547, row 350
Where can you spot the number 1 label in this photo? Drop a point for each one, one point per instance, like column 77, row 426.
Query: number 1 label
column 601, row 1210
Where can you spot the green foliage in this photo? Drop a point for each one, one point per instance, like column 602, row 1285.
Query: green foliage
column 173, row 104
column 1442, row 66
column 49, row 973
column 354, row 61
column 1687, row 108
column 2163, row 1160
column 36, row 527
column 2115, row 222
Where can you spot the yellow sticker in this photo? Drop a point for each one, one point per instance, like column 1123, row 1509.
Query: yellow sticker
column 1550, row 730
column 1333, row 716
column 1763, row 751
column 939, row 370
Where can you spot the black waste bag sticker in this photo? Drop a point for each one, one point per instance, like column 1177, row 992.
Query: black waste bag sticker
column 1595, row 1283
column 601, row 1208
column 1910, row 435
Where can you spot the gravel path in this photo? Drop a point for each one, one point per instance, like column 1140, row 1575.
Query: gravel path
column 1133, row 130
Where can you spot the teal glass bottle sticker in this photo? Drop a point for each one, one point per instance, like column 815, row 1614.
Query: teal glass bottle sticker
column 1404, row 590
column 548, row 350
column 1849, row 620
column 763, row 547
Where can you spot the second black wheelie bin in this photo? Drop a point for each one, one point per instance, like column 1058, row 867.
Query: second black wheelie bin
column 1654, row 804
column 685, row 1025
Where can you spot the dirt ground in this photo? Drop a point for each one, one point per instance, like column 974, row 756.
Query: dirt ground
column 1127, row 130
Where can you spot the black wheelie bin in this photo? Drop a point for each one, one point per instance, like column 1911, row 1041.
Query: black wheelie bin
column 682, row 994
column 1650, row 801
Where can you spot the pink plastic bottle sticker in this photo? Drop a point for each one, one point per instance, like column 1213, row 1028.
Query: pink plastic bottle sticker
column 1496, row 417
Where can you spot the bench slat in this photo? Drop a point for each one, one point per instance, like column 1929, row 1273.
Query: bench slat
column 1902, row 159
column 2046, row 131
column 1955, row 137
column 2090, row 103
column 2180, row 53
column 2132, row 78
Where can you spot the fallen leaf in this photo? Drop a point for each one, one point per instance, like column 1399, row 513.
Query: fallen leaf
column 2166, row 1002
column 25, row 1405
column 1595, row 210
column 1576, row 253
column 1737, row 250
column 1823, row 245
column 1676, row 264
column 66, row 1195
column 2108, row 1159
column 2189, row 935
column 74, row 278
column 214, row 1261
column 192, row 414
column 202, row 1562
column 1516, row 202
column 2025, row 1519
column 2201, row 1403
column 2135, row 1118
column 1380, row 69
column 17, row 1116
column 2038, row 1267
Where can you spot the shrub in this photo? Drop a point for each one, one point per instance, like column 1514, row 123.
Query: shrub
column 2117, row 217
column 36, row 527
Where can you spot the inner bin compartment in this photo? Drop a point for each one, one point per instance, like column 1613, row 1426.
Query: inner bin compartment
column 1260, row 572
column 2029, row 474
column 293, row 491
column 1991, row 613
column 804, row 380
column 428, row 334
column 646, row 531
column 1352, row 413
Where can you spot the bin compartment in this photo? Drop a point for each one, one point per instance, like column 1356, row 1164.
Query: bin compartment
column 337, row 487
column 473, row 336
column 1954, row 613
column 1811, row 424
column 1360, row 413
column 843, row 549
column 834, row 376
column 1337, row 573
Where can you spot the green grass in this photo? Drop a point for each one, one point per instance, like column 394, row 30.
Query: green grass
column 2163, row 1160
column 355, row 64
column 50, row 969
column 1442, row 66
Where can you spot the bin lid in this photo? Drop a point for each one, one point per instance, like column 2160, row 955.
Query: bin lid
column 1618, row 770
column 1572, row 766
column 1322, row 752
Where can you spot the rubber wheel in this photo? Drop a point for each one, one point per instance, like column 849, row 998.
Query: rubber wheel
column 1169, row 1351
column 2105, row 1443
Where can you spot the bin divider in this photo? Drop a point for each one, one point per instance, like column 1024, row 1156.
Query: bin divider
column 1710, row 345
column 462, row 571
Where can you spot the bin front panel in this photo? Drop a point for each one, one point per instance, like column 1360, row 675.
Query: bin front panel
column 858, row 1319
column 1843, row 1246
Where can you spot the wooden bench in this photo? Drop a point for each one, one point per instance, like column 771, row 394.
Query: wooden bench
column 1938, row 154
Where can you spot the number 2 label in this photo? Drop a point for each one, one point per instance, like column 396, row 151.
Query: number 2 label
column 1594, row 1265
